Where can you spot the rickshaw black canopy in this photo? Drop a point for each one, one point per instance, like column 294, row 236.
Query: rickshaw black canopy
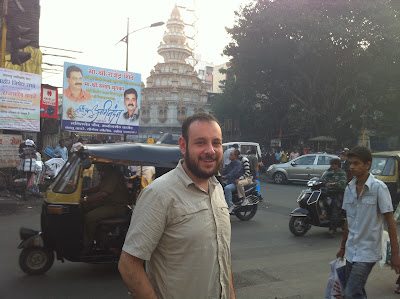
column 140, row 154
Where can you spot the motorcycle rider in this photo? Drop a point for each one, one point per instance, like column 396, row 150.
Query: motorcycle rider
column 336, row 182
column 229, row 175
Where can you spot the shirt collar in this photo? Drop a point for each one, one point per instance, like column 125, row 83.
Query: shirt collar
column 367, row 183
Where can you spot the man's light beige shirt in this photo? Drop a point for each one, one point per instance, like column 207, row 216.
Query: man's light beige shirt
column 185, row 234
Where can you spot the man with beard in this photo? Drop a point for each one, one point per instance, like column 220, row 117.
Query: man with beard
column 74, row 92
column 131, row 116
column 181, row 225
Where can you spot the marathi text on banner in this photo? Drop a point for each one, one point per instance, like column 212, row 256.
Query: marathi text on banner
column 9, row 145
column 98, row 100
column 19, row 100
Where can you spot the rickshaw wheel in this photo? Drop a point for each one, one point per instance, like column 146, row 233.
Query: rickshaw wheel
column 36, row 260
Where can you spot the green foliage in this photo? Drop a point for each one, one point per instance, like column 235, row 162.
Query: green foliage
column 314, row 67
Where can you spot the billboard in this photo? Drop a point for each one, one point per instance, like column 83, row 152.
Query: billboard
column 99, row 100
column 19, row 100
column 9, row 145
column 49, row 103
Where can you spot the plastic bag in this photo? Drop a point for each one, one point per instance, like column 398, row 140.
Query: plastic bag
column 337, row 279
column 386, row 249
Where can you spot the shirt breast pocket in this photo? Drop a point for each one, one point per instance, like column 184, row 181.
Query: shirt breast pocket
column 187, row 213
column 349, row 206
column 369, row 200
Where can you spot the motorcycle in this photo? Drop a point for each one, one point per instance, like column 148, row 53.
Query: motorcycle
column 314, row 209
column 253, row 197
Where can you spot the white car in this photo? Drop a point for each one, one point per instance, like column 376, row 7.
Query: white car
column 244, row 147
column 302, row 168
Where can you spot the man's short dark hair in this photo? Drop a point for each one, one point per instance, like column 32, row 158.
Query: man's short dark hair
column 361, row 152
column 236, row 152
column 253, row 150
column 335, row 161
column 196, row 117
column 73, row 68
column 130, row 91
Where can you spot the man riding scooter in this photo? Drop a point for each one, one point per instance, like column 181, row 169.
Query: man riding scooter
column 336, row 181
column 230, row 174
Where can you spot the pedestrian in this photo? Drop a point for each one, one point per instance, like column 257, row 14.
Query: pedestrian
column 367, row 203
column 181, row 225
column 253, row 160
column 295, row 154
column 61, row 151
column 344, row 164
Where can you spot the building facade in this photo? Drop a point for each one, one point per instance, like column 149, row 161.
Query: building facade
column 173, row 90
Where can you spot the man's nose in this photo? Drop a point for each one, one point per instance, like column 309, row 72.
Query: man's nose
column 210, row 148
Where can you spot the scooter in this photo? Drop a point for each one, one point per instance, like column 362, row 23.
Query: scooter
column 314, row 209
column 252, row 196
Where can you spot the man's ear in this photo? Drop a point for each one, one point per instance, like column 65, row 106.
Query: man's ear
column 182, row 145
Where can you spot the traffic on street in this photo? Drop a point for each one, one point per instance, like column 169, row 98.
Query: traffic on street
column 267, row 260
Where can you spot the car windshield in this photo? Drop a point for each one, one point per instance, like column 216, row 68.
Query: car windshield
column 67, row 179
column 384, row 166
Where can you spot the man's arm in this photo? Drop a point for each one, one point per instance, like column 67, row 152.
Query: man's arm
column 392, row 230
column 134, row 276
column 232, row 290
column 342, row 250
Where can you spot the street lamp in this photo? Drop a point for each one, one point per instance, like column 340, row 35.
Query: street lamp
column 126, row 37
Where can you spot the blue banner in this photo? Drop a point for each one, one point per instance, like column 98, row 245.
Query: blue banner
column 99, row 100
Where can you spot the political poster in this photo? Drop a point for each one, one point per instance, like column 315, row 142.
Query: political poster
column 49, row 103
column 19, row 100
column 9, row 145
column 100, row 100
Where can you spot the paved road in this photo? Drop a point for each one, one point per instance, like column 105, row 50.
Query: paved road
column 268, row 262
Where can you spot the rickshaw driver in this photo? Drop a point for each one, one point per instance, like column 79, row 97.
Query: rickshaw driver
column 110, row 199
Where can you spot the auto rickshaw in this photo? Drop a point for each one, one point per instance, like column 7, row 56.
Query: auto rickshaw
column 385, row 167
column 62, row 215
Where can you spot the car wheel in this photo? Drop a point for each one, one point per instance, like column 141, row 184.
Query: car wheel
column 279, row 178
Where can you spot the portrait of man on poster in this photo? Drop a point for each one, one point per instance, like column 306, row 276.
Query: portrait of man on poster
column 74, row 92
column 131, row 116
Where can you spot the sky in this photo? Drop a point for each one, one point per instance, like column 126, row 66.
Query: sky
column 95, row 26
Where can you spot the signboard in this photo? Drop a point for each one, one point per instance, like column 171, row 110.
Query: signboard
column 99, row 100
column 49, row 151
column 49, row 103
column 9, row 145
column 276, row 142
column 19, row 100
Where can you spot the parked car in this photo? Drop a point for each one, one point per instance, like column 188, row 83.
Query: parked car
column 301, row 169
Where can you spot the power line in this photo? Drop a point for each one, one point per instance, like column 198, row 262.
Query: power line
column 61, row 49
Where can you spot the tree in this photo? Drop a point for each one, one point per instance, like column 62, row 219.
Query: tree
column 314, row 67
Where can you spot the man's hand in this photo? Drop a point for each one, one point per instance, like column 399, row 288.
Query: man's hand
column 340, row 253
column 329, row 184
column 236, row 181
column 395, row 263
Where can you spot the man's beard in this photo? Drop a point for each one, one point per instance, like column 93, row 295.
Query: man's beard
column 193, row 166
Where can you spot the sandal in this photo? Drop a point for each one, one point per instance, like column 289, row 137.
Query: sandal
column 397, row 290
